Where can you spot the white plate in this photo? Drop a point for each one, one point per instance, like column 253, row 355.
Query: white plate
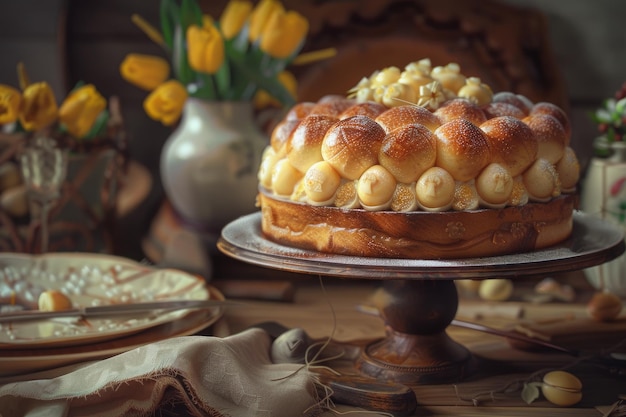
column 90, row 280
column 14, row 362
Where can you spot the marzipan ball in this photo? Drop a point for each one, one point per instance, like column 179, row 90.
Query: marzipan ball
column 305, row 144
column 556, row 112
column 522, row 103
column 397, row 117
column 512, row 143
column 370, row 109
column 499, row 109
column 300, row 111
column 407, row 152
column 331, row 105
column 568, row 169
column 462, row 149
column 351, row 145
column 281, row 134
column 550, row 136
column 460, row 108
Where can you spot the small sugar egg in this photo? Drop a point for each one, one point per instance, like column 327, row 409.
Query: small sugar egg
column 562, row 388
column 604, row 306
column 468, row 286
column 497, row 289
column 54, row 300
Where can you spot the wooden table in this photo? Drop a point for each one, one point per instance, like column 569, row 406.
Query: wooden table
column 327, row 306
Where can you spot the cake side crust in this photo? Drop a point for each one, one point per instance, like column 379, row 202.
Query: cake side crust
column 417, row 235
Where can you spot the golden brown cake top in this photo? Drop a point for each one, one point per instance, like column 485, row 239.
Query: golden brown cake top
column 421, row 138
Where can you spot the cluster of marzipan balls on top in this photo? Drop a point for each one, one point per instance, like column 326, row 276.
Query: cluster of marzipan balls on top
column 421, row 138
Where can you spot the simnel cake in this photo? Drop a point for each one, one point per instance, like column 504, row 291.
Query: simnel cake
column 420, row 163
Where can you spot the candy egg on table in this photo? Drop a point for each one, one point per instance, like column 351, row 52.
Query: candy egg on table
column 604, row 306
column 562, row 388
column 496, row 289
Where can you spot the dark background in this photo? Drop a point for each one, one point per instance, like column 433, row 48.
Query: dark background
column 64, row 41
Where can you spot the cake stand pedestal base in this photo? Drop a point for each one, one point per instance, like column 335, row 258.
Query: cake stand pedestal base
column 416, row 349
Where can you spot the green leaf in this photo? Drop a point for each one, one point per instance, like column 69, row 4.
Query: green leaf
column 79, row 84
column 240, row 43
column 530, row 392
column 206, row 87
column 620, row 106
column 180, row 64
column 269, row 84
column 99, row 126
column 190, row 14
column 602, row 116
column 170, row 16
column 224, row 80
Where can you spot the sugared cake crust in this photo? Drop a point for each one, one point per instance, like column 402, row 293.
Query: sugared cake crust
column 420, row 163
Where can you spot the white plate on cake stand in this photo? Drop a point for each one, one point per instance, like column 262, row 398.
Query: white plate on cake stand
column 91, row 280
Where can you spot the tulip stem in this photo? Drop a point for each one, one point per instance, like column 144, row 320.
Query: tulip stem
column 150, row 31
column 314, row 56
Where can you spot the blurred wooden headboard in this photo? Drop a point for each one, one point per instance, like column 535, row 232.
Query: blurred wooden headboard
column 508, row 47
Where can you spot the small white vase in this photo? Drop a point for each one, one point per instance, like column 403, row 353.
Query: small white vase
column 209, row 163
column 603, row 194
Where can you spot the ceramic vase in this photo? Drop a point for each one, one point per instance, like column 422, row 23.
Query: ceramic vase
column 209, row 163
column 603, row 194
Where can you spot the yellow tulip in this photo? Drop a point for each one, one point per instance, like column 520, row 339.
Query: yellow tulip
column 263, row 99
column 261, row 15
column 145, row 71
column 165, row 104
column 283, row 33
column 207, row 21
column 80, row 110
column 234, row 17
column 205, row 48
column 10, row 99
column 39, row 107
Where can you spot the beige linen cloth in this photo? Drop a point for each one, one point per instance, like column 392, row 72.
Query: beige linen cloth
column 203, row 376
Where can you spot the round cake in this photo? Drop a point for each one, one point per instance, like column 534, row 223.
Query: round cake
column 421, row 163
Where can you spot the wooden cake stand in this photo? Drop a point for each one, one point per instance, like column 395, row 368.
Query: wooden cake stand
column 418, row 298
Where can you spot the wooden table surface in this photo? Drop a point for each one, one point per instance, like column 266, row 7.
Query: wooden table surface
column 326, row 306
